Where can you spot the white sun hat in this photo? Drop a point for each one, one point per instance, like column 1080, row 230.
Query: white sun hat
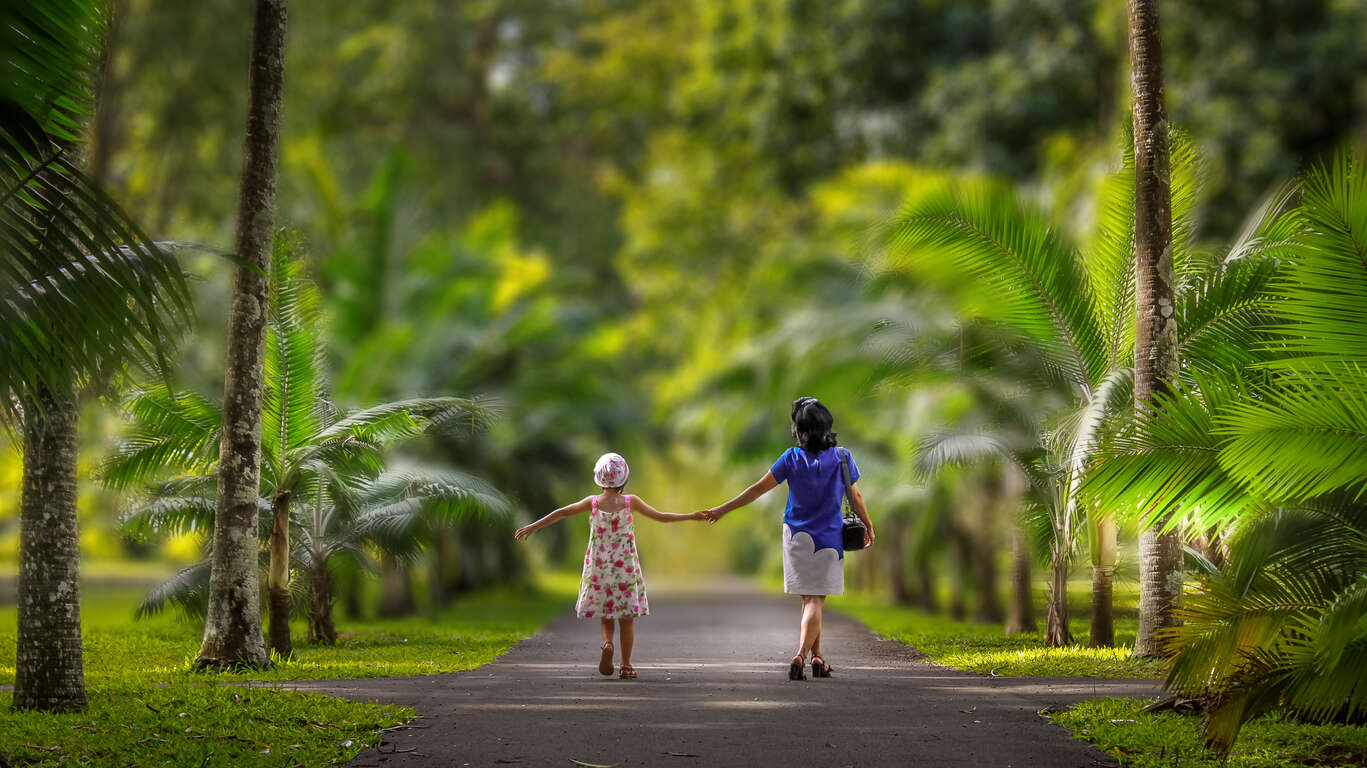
column 611, row 471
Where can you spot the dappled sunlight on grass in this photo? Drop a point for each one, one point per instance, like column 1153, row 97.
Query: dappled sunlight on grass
column 1161, row 739
column 987, row 649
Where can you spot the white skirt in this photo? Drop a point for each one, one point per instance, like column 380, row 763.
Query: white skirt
column 807, row 571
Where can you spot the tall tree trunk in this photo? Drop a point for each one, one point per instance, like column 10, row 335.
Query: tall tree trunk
column 984, row 552
column 105, row 128
column 1021, row 615
column 279, row 584
column 897, row 565
column 1056, row 631
column 48, row 674
column 1155, row 349
column 1103, row 581
column 321, row 628
column 232, row 628
column 925, row 574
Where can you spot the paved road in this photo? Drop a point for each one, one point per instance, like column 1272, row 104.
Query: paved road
column 713, row 691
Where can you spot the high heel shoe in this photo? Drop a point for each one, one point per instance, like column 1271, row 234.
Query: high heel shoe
column 820, row 668
column 795, row 669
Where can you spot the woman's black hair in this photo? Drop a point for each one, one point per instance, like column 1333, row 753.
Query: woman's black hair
column 812, row 424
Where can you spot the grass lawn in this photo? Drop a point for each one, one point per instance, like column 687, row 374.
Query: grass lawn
column 1165, row 739
column 146, row 705
column 986, row 648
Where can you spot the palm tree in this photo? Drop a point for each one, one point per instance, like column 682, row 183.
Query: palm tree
column 85, row 292
column 306, row 439
column 1061, row 319
column 1155, row 354
column 1268, row 444
column 232, row 629
column 393, row 514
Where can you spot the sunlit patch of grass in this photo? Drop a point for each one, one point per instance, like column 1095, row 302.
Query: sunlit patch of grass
column 139, row 680
column 186, row 724
column 987, row 649
column 1161, row 739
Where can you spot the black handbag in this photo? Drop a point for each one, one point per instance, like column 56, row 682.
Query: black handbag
column 852, row 530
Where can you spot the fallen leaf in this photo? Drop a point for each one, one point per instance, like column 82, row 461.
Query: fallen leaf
column 970, row 710
column 832, row 746
column 583, row 764
column 681, row 754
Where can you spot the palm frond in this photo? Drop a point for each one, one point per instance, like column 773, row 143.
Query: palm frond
column 295, row 402
column 1305, row 438
column 1166, row 462
column 1005, row 263
column 171, row 431
column 188, row 590
column 1321, row 300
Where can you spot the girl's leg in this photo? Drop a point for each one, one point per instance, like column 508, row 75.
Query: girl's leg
column 628, row 639
column 811, row 624
column 606, row 626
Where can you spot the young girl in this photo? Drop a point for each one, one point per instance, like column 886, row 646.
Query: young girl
column 613, row 588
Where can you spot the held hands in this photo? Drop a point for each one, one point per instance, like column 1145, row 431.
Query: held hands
column 710, row 515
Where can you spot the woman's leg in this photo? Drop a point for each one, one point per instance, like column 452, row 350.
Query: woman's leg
column 606, row 625
column 811, row 624
column 628, row 639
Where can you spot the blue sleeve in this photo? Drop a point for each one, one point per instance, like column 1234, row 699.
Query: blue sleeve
column 854, row 468
column 783, row 466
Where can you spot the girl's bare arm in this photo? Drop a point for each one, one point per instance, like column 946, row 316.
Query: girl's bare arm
column 664, row 517
column 578, row 507
column 761, row 487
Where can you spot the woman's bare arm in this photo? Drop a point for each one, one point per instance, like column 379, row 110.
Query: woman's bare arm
column 761, row 487
column 664, row 517
column 857, row 501
column 578, row 507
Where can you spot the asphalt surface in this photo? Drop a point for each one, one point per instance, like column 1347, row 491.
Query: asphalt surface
column 713, row 691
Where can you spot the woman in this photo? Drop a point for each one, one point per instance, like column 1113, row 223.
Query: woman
column 813, row 558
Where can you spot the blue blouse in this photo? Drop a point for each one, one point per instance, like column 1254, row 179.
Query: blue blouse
column 815, row 488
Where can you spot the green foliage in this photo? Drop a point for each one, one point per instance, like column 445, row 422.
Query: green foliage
column 85, row 290
column 326, row 463
column 1157, row 740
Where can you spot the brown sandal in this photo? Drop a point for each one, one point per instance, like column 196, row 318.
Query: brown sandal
column 605, row 661
column 627, row 673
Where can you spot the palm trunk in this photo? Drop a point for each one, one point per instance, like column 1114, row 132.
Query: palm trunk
column 1103, row 580
column 48, row 675
column 1155, row 350
column 396, row 597
column 321, row 628
column 279, row 584
column 1021, row 616
column 232, row 628
column 1056, row 631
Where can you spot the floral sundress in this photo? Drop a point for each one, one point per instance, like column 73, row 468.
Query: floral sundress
column 612, row 586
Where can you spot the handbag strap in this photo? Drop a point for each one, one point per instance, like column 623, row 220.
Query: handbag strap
column 845, row 473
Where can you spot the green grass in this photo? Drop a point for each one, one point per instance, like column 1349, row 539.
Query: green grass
column 189, row 724
column 985, row 648
column 1164, row 739
column 139, row 683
